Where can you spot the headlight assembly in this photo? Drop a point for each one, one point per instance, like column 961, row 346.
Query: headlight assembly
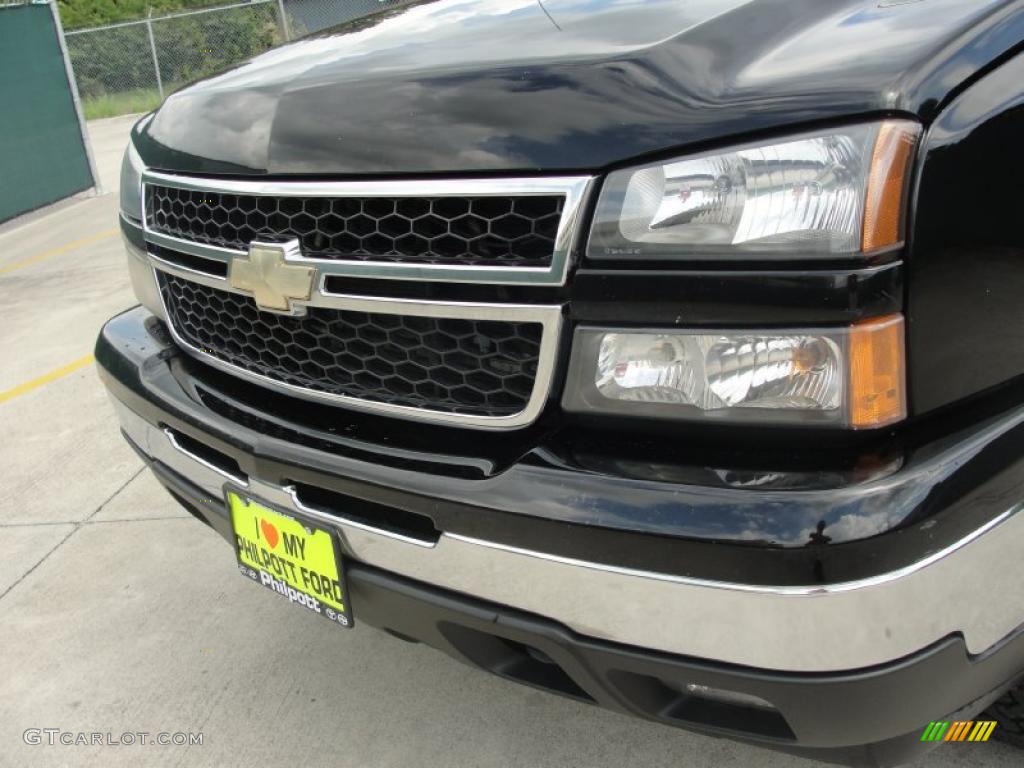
column 131, row 184
column 846, row 377
column 139, row 268
column 828, row 194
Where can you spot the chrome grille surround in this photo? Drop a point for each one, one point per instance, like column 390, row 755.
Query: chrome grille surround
column 552, row 273
column 469, row 231
column 549, row 272
column 454, row 365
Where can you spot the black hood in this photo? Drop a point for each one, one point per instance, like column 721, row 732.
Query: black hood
column 524, row 85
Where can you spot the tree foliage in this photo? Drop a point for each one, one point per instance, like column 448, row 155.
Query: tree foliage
column 109, row 61
column 75, row 14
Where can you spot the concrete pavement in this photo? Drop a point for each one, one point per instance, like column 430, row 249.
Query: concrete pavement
column 119, row 613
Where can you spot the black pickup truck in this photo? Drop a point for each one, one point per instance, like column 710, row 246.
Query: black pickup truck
column 663, row 355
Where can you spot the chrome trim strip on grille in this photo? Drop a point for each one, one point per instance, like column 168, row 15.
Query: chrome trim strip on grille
column 574, row 188
column 548, row 316
column 211, row 252
column 187, row 273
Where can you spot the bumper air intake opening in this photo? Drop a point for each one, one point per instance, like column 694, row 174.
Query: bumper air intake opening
column 203, row 453
column 514, row 660
column 687, row 702
column 368, row 513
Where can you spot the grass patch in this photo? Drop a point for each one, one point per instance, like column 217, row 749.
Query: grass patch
column 123, row 103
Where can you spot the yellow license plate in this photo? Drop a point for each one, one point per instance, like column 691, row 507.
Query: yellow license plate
column 287, row 556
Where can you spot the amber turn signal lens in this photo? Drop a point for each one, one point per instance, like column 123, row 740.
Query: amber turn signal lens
column 887, row 185
column 877, row 384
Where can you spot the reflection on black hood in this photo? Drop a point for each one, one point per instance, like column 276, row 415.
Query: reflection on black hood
column 503, row 85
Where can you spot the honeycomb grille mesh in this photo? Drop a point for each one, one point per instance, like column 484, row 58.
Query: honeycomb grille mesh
column 472, row 367
column 478, row 231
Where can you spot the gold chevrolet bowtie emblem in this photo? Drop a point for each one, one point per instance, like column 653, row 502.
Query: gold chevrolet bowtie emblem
column 273, row 282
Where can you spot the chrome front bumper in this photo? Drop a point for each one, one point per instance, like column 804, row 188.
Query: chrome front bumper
column 971, row 587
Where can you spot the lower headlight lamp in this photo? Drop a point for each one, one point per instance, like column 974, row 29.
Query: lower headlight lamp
column 851, row 376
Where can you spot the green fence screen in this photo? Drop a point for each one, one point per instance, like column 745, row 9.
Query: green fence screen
column 42, row 155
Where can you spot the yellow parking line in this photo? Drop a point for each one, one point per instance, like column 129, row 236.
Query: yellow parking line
column 46, row 378
column 80, row 243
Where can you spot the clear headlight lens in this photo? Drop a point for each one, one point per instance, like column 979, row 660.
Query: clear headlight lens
column 131, row 184
column 846, row 376
column 722, row 371
column 816, row 195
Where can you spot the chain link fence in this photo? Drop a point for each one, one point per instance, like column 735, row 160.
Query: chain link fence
column 307, row 16
column 131, row 66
